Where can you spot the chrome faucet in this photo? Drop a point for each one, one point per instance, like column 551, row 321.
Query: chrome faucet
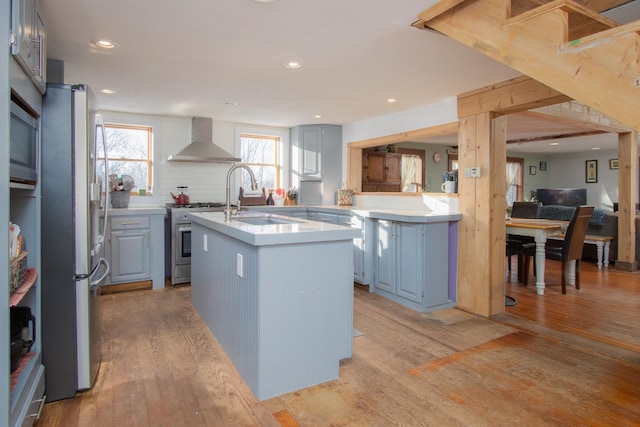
column 254, row 186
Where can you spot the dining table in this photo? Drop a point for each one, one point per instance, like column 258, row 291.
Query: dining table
column 540, row 230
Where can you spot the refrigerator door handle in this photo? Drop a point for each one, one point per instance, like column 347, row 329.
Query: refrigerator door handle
column 96, row 282
column 85, row 276
column 100, row 124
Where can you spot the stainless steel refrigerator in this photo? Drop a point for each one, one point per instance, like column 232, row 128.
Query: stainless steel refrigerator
column 73, row 265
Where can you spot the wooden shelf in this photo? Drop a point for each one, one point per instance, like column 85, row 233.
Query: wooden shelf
column 21, row 186
column 24, row 360
column 29, row 281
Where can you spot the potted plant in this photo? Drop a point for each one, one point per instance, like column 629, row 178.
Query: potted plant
column 292, row 193
column 450, row 184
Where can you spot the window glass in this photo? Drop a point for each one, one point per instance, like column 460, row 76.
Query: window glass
column 129, row 150
column 262, row 154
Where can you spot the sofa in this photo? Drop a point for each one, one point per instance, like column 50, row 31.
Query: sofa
column 603, row 223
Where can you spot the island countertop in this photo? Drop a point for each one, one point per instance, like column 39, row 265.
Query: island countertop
column 280, row 230
column 405, row 215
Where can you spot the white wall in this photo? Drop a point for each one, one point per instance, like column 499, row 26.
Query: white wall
column 206, row 181
column 568, row 171
column 437, row 113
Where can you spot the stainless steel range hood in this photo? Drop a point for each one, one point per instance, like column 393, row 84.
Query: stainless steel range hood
column 202, row 149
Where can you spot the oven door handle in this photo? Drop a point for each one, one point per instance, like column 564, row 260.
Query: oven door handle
column 183, row 229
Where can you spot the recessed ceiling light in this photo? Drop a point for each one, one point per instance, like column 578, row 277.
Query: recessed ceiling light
column 108, row 91
column 391, row 100
column 554, row 143
column 595, row 148
column 264, row 1
column 230, row 104
column 104, row 43
column 292, row 64
column 317, row 116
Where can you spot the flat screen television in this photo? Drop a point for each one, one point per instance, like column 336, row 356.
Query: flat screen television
column 562, row 196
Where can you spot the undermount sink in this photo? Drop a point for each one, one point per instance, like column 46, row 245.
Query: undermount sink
column 264, row 220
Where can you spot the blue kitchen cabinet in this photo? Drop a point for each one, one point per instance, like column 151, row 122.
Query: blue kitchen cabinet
column 29, row 41
column 411, row 264
column 325, row 217
column 21, row 391
column 129, row 255
column 310, row 155
column 135, row 246
column 399, row 259
column 362, row 248
column 316, row 162
column 386, row 256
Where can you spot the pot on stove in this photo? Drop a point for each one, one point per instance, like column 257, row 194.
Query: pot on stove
column 183, row 197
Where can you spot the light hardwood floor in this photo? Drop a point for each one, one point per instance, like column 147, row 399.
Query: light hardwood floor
column 556, row 360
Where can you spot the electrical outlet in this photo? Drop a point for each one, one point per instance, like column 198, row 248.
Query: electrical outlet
column 475, row 172
column 204, row 243
column 239, row 266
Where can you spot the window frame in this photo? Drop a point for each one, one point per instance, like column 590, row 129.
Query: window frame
column 519, row 185
column 148, row 160
column 277, row 143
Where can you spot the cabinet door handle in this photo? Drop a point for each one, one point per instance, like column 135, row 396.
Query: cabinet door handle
column 130, row 223
column 37, row 44
column 36, row 415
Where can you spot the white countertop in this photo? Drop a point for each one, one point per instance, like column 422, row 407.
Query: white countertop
column 297, row 231
column 148, row 210
column 423, row 216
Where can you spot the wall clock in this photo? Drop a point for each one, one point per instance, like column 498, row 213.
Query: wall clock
column 436, row 157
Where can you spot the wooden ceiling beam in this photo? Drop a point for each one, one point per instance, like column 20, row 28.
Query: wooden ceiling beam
column 574, row 113
column 511, row 96
column 603, row 75
column 551, row 137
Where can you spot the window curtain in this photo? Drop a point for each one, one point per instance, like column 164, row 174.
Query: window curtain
column 411, row 173
column 513, row 172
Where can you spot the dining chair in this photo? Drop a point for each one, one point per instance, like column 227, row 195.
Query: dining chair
column 571, row 249
column 515, row 243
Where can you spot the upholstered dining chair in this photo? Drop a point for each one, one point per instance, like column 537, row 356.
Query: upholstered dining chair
column 571, row 249
column 515, row 243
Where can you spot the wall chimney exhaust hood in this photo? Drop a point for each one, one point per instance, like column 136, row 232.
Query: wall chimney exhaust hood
column 202, row 149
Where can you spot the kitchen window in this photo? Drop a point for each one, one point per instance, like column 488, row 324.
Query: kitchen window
column 130, row 150
column 263, row 154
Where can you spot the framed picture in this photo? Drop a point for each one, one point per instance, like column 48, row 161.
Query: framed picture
column 543, row 166
column 613, row 164
column 591, row 170
column 532, row 170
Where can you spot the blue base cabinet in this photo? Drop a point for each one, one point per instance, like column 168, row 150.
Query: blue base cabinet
column 411, row 262
column 135, row 246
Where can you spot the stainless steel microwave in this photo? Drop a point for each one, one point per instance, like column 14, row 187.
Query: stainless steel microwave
column 24, row 144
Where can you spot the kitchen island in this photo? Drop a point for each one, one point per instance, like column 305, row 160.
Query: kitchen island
column 277, row 293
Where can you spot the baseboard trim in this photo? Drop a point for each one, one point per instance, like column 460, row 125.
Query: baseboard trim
column 126, row 287
column 626, row 266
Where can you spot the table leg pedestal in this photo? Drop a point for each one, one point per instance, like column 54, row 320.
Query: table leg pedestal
column 540, row 261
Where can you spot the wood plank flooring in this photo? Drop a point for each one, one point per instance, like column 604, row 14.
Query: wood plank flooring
column 556, row 360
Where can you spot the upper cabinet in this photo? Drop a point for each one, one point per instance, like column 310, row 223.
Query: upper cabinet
column 316, row 162
column 28, row 40
column 381, row 171
column 308, row 141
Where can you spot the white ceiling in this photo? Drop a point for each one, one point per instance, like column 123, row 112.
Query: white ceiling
column 225, row 58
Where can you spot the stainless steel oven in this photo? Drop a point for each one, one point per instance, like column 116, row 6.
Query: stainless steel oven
column 181, row 237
